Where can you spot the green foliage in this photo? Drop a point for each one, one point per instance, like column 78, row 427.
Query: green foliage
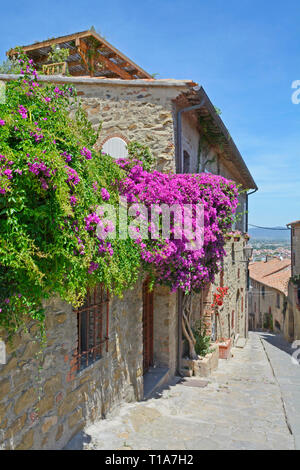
column 268, row 321
column 45, row 246
column 296, row 279
column 58, row 54
column 141, row 152
column 203, row 341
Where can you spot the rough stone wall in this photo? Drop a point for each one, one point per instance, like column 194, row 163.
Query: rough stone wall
column 135, row 113
column 232, row 317
column 296, row 250
column 44, row 409
column 292, row 322
column 292, row 319
column 260, row 305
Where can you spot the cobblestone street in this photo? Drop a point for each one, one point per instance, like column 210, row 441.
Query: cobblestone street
column 242, row 407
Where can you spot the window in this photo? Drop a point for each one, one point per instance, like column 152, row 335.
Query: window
column 186, row 162
column 92, row 323
column 116, row 147
column 263, row 291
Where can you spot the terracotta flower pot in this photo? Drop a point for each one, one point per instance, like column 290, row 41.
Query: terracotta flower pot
column 224, row 349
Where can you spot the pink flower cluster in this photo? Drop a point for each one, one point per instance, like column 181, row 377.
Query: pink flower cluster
column 174, row 264
column 73, row 178
column 5, row 172
column 86, row 153
column 23, row 112
column 105, row 194
column 67, row 156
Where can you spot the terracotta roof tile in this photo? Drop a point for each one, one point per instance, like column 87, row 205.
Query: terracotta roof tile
column 274, row 273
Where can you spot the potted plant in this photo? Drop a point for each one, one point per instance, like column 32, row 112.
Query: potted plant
column 57, row 58
column 224, row 344
column 224, row 348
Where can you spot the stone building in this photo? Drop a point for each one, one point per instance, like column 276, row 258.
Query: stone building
column 292, row 327
column 178, row 122
column 268, row 294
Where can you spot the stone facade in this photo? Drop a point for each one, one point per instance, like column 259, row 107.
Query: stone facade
column 144, row 114
column 267, row 307
column 44, row 409
column 292, row 319
column 292, row 323
column 231, row 320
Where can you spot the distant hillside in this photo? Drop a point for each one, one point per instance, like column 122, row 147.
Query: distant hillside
column 266, row 234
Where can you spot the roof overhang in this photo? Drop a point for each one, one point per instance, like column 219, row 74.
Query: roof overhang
column 189, row 93
column 297, row 222
column 217, row 134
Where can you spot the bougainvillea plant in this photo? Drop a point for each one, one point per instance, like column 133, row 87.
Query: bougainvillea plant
column 51, row 181
column 169, row 259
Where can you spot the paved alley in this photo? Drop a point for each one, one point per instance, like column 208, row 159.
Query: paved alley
column 249, row 403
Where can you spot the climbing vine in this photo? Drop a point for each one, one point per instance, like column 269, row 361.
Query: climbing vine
column 51, row 181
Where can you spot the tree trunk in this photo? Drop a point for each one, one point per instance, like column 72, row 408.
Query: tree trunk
column 186, row 324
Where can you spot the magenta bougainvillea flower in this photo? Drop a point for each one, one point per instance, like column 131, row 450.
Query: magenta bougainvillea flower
column 171, row 261
column 105, row 194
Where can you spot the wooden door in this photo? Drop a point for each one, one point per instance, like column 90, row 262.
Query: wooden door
column 147, row 327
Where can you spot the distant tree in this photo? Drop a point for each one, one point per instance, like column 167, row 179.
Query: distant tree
column 10, row 66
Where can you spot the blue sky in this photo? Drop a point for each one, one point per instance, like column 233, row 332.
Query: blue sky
column 245, row 53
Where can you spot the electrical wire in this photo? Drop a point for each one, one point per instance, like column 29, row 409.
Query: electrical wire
column 269, row 228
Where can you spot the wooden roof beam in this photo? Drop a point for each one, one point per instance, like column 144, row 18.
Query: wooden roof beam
column 82, row 51
column 113, row 67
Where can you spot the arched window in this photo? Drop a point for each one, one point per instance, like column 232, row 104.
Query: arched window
column 186, row 162
column 116, row 147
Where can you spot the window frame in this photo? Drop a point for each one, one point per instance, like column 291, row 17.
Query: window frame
column 93, row 318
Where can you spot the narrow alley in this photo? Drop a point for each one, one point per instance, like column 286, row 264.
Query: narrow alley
column 243, row 405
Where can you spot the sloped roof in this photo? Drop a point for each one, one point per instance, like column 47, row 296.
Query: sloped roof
column 297, row 222
column 274, row 273
column 90, row 55
column 218, row 134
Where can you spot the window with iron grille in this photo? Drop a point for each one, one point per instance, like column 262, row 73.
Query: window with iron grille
column 93, row 327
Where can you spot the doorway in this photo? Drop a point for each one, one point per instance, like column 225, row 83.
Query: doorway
column 147, row 327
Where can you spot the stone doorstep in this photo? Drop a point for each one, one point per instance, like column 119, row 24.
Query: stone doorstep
column 240, row 343
column 155, row 378
column 204, row 366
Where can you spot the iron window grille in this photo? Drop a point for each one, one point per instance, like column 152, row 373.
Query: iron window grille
column 92, row 327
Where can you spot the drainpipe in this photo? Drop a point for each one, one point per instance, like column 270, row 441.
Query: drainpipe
column 180, row 170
